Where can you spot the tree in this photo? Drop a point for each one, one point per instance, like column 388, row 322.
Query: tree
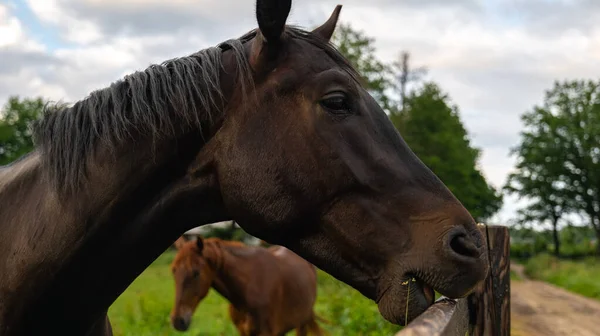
column 360, row 51
column 406, row 74
column 230, row 232
column 540, row 212
column 558, row 159
column 535, row 182
column 16, row 119
column 433, row 130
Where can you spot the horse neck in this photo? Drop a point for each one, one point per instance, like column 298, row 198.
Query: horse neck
column 59, row 248
column 152, row 123
column 229, row 276
column 62, row 246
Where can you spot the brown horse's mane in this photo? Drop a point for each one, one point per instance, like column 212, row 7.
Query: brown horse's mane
column 154, row 102
column 219, row 241
column 214, row 249
column 233, row 246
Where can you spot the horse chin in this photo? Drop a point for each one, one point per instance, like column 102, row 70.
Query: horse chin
column 403, row 302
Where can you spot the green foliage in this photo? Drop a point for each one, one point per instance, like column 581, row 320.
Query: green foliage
column 360, row 51
column 143, row 309
column 528, row 249
column 432, row 128
column 349, row 312
column 576, row 242
column 228, row 232
column 16, row 119
column 558, row 159
column 577, row 276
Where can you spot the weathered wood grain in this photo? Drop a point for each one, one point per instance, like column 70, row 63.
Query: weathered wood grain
column 491, row 300
column 446, row 317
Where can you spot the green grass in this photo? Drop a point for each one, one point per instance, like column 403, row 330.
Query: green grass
column 514, row 276
column 582, row 277
column 143, row 309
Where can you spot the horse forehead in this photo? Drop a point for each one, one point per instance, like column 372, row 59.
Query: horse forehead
column 295, row 72
column 307, row 59
column 184, row 257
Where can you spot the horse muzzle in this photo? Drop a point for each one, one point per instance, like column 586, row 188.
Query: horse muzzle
column 181, row 322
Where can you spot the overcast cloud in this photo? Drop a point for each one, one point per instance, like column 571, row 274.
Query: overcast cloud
column 494, row 58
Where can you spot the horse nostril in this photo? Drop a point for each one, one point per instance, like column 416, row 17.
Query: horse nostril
column 463, row 245
column 180, row 324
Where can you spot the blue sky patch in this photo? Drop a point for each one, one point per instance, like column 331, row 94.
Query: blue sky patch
column 41, row 32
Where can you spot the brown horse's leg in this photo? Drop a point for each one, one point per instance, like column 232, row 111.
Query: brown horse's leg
column 301, row 330
column 239, row 319
column 260, row 326
column 313, row 326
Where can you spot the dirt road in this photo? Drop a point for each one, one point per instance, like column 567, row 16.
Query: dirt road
column 541, row 309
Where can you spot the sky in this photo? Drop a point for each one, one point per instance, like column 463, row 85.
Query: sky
column 494, row 58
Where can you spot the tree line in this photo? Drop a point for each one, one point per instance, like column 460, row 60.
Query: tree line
column 558, row 156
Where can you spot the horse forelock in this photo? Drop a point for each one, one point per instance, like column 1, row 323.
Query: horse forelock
column 155, row 102
column 188, row 256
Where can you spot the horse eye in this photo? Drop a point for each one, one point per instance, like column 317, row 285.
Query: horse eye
column 336, row 103
column 195, row 274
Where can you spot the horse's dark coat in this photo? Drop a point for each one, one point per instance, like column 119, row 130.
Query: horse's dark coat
column 273, row 130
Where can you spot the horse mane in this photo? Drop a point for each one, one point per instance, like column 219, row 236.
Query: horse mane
column 155, row 102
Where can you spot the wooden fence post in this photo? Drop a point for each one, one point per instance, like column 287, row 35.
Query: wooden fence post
column 490, row 303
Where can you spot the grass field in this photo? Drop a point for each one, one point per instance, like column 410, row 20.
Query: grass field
column 582, row 277
column 143, row 309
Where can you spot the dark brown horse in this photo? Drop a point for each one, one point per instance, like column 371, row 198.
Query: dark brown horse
column 271, row 290
column 273, row 130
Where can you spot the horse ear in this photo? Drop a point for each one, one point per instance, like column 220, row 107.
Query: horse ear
column 271, row 16
column 199, row 244
column 179, row 242
column 326, row 29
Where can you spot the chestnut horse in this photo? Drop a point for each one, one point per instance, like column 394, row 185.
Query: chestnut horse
column 270, row 290
column 274, row 130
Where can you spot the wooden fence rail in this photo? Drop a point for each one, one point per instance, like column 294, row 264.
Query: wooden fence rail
column 486, row 312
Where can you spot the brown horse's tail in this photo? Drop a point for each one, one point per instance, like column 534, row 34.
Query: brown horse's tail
column 313, row 327
column 321, row 319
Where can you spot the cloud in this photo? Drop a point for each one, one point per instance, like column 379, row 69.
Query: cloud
column 92, row 21
column 94, row 67
column 494, row 58
column 89, row 21
column 10, row 28
column 24, row 63
column 546, row 18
